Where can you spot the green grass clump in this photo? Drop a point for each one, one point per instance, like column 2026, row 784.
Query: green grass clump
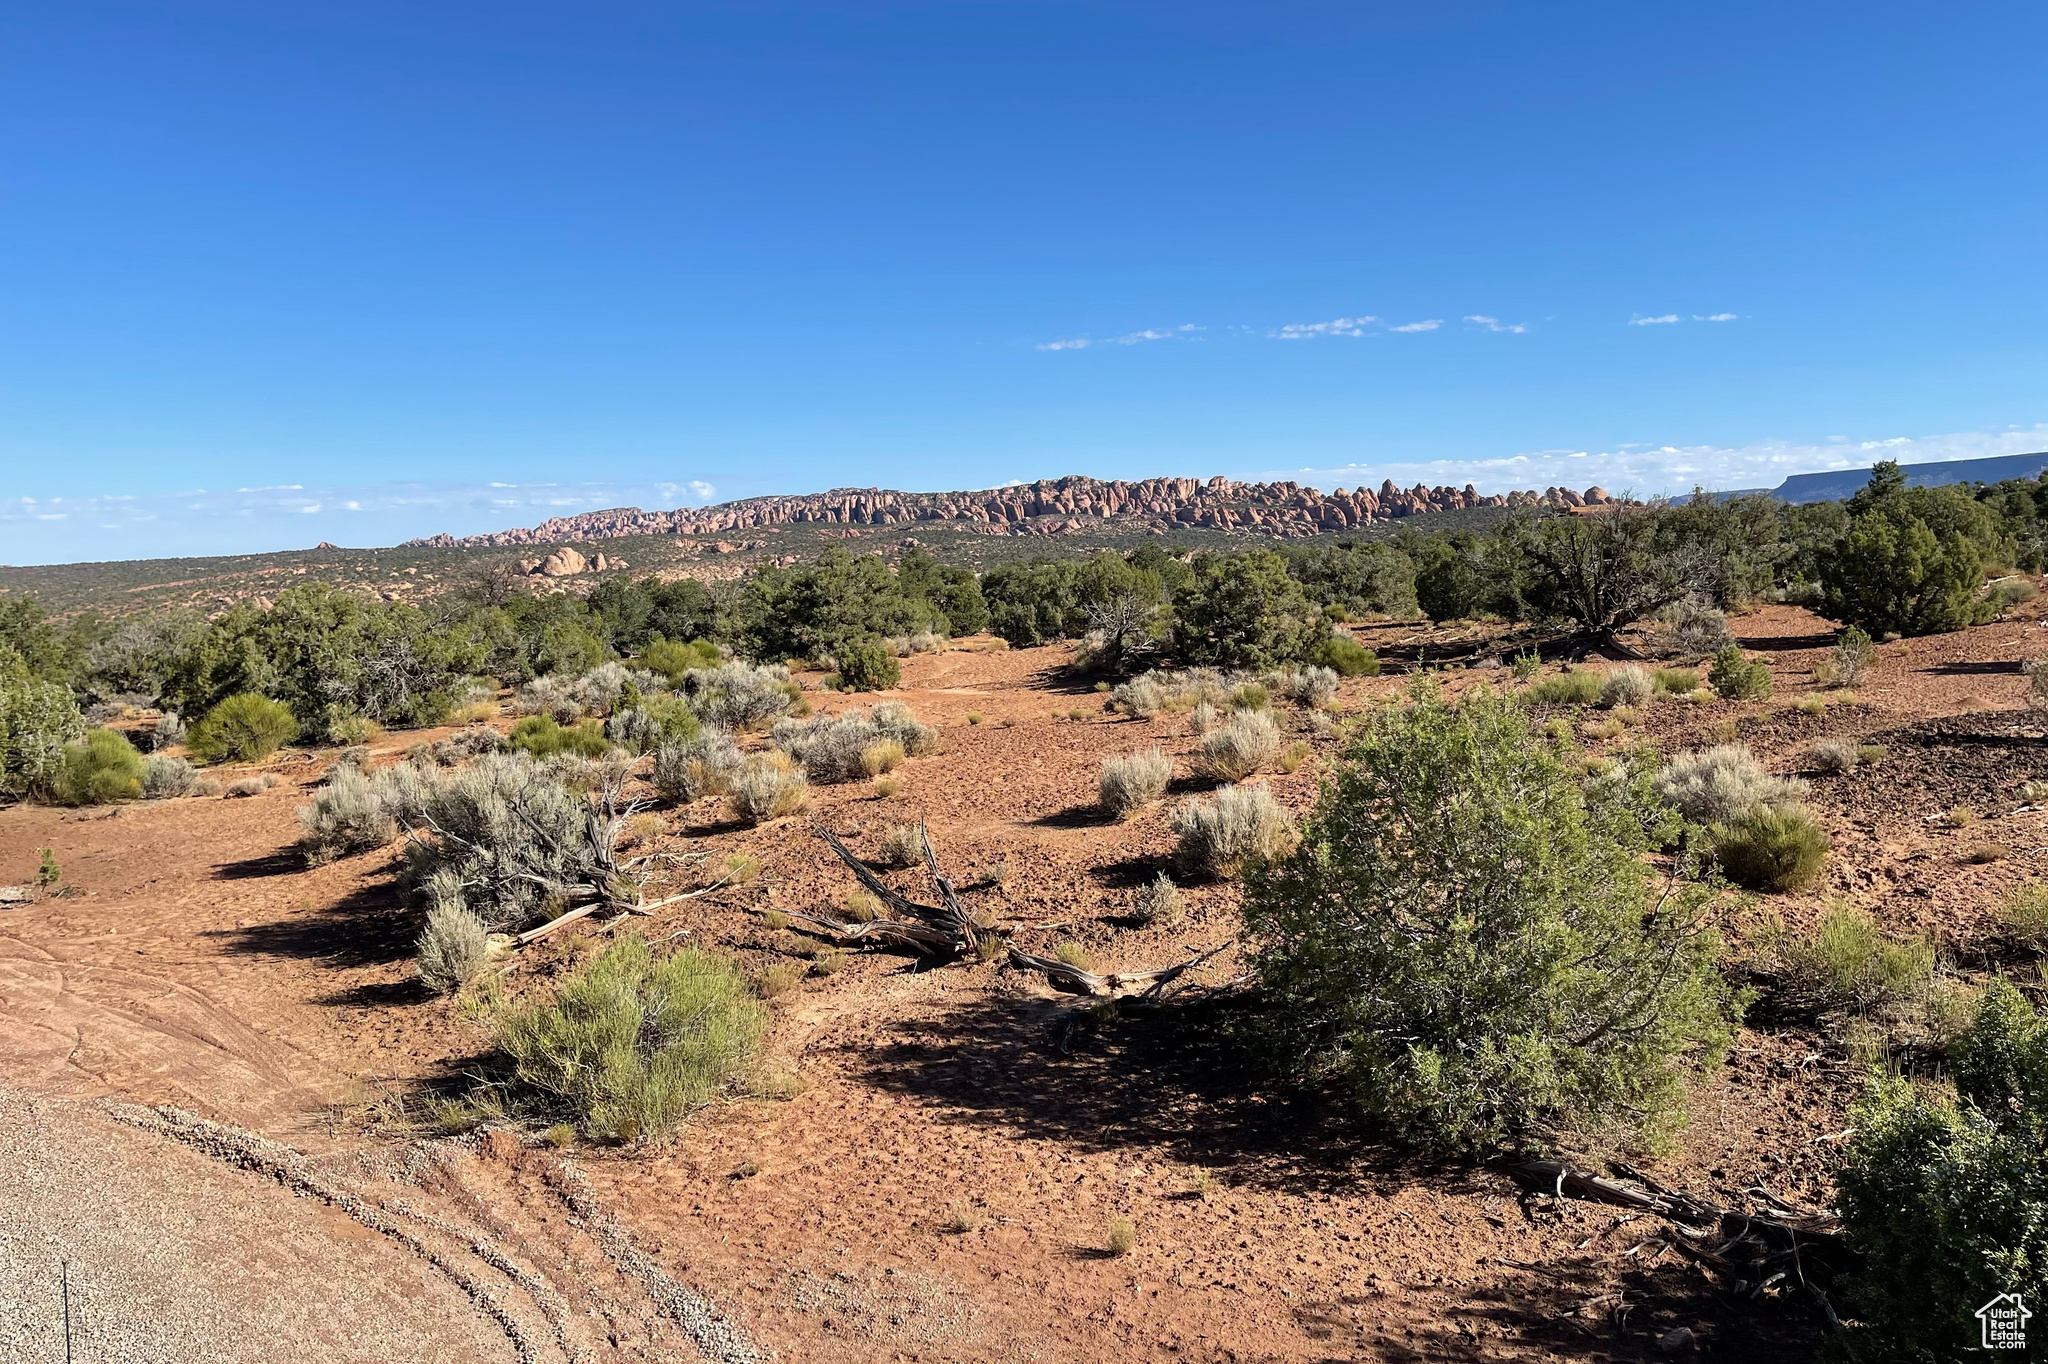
column 1850, row 964
column 1676, row 681
column 2024, row 912
column 1772, row 848
column 541, row 737
column 1581, row 687
column 632, row 1044
column 1347, row 657
column 673, row 659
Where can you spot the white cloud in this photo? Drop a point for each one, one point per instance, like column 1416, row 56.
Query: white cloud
column 1640, row 321
column 1494, row 324
column 1337, row 326
column 1654, row 469
column 1715, row 317
column 292, row 516
column 1428, row 326
column 1127, row 339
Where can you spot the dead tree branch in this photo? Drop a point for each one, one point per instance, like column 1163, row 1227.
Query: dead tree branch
column 1751, row 1250
column 1148, row 982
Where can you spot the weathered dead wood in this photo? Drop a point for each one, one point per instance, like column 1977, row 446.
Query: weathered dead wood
column 637, row 906
column 929, row 928
column 961, row 921
column 1073, row 979
column 1754, row 1251
column 923, row 937
column 536, row 934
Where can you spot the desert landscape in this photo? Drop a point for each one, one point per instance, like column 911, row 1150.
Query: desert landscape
column 947, row 1155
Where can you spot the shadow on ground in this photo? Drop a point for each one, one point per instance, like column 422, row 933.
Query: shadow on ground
column 370, row 927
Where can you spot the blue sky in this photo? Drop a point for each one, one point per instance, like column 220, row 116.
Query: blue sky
column 464, row 266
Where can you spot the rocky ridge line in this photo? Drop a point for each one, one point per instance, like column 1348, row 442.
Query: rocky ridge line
column 1048, row 506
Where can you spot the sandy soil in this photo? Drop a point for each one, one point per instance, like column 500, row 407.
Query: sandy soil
column 941, row 1186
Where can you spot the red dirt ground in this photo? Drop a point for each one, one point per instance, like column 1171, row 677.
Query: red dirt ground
column 939, row 1189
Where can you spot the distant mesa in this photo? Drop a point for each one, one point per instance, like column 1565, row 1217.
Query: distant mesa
column 1048, row 507
column 1843, row 483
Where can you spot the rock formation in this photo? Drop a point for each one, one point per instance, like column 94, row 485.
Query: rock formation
column 1048, row 507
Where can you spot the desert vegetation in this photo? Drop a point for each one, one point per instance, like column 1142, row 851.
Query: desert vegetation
column 1636, row 845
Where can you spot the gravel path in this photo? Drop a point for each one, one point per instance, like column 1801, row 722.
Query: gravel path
column 176, row 1258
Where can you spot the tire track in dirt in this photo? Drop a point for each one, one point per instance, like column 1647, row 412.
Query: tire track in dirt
column 82, row 1028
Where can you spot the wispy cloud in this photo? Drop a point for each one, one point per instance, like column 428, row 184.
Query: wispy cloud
column 1127, row 339
column 293, row 516
column 1428, row 325
column 1336, row 326
column 1659, row 321
column 1715, row 317
column 1650, row 469
column 1494, row 324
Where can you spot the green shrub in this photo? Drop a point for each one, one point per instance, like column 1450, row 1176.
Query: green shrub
column 164, row 777
column 453, row 949
column 1736, row 678
column 99, row 770
column 630, row 1045
column 2015, row 592
column 352, row 813
column 541, row 737
column 702, row 765
column 1245, row 611
column 37, row 719
column 1526, row 665
column 1852, row 656
column 652, row 721
column 1234, row 751
column 245, row 728
column 1850, row 964
column 1251, row 696
column 1580, row 687
column 1676, row 681
column 1346, row 657
column 673, row 660
column 1133, row 781
column 867, row 663
column 1242, row 825
column 1772, row 848
column 1913, row 564
column 1470, row 947
column 1944, row 1197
